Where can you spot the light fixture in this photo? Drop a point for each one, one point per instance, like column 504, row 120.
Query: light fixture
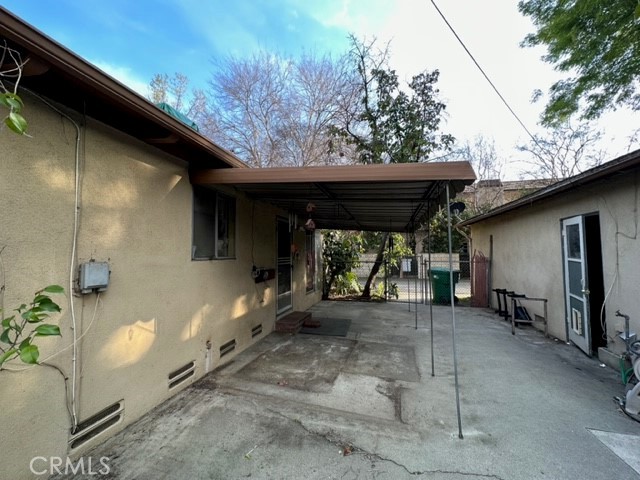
column 310, row 225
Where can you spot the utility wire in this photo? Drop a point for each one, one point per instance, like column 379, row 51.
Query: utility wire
column 485, row 75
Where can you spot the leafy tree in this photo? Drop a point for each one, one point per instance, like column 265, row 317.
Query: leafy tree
column 564, row 151
column 340, row 254
column 439, row 237
column 597, row 43
column 386, row 124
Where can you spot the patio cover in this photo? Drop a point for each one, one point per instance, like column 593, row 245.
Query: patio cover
column 389, row 197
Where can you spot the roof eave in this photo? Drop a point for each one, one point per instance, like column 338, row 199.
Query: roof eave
column 614, row 166
column 100, row 83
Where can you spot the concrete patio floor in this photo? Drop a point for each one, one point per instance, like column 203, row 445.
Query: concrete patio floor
column 290, row 407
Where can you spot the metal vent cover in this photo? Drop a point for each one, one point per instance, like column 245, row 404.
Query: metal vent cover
column 180, row 375
column 228, row 347
column 257, row 330
column 96, row 424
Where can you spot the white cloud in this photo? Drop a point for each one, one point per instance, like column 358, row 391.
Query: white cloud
column 124, row 75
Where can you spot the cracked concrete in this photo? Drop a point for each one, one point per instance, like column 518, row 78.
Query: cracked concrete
column 291, row 406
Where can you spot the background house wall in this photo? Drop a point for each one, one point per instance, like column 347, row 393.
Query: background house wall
column 527, row 250
column 160, row 308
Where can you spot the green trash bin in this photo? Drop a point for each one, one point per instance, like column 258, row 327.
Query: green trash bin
column 441, row 285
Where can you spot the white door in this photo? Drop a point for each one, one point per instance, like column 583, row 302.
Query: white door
column 576, row 283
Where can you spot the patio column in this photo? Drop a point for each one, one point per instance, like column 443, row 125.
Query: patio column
column 453, row 314
column 429, row 292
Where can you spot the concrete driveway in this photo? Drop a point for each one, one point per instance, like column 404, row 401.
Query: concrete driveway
column 365, row 406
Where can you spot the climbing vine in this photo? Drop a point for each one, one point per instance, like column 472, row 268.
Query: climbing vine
column 11, row 65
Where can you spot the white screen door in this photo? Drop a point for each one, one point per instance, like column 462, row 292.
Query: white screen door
column 576, row 283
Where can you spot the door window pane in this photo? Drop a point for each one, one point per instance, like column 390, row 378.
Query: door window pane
column 573, row 241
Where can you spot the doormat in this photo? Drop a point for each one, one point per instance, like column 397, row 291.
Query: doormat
column 334, row 327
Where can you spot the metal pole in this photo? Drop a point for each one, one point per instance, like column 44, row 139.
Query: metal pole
column 415, row 290
column 408, row 285
column 429, row 292
column 423, row 286
column 489, row 283
column 453, row 316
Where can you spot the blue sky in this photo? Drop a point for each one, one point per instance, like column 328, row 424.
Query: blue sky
column 139, row 38
column 132, row 40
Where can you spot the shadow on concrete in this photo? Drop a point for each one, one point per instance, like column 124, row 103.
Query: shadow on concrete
column 366, row 406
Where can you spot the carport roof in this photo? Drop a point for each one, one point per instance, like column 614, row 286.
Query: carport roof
column 393, row 197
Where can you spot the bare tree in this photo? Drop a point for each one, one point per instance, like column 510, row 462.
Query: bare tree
column 275, row 111
column 633, row 140
column 564, row 151
column 245, row 96
column 481, row 153
column 318, row 87
column 174, row 91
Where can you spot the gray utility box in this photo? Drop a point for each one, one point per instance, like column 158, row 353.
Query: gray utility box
column 94, row 276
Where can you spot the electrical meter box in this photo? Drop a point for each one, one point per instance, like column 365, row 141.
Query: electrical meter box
column 94, row 276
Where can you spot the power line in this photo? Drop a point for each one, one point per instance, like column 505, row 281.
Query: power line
column 485, row 75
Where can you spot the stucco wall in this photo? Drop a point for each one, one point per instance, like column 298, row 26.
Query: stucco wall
column 161, row 307
column 527, row 250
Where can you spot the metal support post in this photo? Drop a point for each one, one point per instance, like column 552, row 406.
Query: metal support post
column 453, row 315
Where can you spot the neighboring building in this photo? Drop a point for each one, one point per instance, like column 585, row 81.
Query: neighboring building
column 482, row 196
column 485, row 194
column 178, row 226
column 575, row 243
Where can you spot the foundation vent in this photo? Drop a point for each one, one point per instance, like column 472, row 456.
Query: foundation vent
column 97, row 424
column 228, row 347
column 257, row 330
column 182, row 374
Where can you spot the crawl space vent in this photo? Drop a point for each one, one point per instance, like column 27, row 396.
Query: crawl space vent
column 97, row 424
column 182, row 374
column 257, row 330
column 228, row 347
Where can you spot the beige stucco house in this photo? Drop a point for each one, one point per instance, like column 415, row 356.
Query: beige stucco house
column 174, row 255
column 574, row 243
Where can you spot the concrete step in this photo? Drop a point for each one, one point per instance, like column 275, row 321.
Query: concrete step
column 293, row 322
